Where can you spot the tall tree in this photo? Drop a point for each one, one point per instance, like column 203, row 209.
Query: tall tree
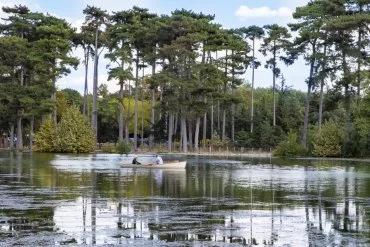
column 253, row 33
column 238, row 61
column 276, row 43
column 95, row 21
column 46, row 59
column 138, row 25
column 85, row 39
column 310, row 31
column 120, row 54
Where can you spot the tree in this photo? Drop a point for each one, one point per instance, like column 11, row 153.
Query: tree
column 310, row 31
column 238, row 61
column 47, row 42
column 329, row 141
column 253, row 33
column 85, row 39
column 120, row 53
column 95, row 22
column 72, row 134
column 276, row 42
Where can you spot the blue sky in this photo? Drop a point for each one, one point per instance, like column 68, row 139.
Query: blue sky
column 230, row 14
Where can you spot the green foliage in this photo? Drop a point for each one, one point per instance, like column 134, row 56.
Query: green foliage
column 45, row 137
column 72, row 97
column 361, row 130
column 72, row 134
column 217, row 142
column 289, row 147
column 123, row 147
column 243, row 139
column 329, row 141
column 108, row 147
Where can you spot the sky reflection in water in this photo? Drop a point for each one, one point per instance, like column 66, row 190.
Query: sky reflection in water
column 89, row 199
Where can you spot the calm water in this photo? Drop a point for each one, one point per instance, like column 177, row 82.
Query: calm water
column 48, row 200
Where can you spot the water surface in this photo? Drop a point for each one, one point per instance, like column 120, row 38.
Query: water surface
column 48, row 200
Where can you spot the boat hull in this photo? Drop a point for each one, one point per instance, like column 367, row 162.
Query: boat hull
column 166, row 165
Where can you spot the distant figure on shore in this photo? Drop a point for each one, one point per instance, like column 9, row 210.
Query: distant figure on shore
column 135, row 162
column 158, row 160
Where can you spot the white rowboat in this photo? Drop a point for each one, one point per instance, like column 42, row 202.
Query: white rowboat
column 166, row 165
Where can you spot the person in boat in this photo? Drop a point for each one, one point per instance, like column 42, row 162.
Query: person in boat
column 135, row 162
column 158, row 160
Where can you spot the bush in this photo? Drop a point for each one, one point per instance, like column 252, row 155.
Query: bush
column 72, row 134
column 46, row 137
column 123, row 147
column 217, row 142
column 108, row 148
column 289, row 147
column 329, row 141
column 243, row 139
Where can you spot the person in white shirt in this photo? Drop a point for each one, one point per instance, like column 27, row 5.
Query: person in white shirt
column 158, row 160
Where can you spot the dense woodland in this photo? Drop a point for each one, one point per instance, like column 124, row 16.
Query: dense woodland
column 196, row 94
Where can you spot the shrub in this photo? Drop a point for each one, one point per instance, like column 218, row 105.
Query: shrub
column 243, row 139
column 72, row 134
column 108, row 148
column 123, row 147
column 46, row 137
column 329, row 141
column 289, row 147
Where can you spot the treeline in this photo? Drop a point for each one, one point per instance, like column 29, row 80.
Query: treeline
column 195, row 94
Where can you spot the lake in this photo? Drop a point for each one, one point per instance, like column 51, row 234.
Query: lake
column 57, row 199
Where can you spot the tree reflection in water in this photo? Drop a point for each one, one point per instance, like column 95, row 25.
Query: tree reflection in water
column 240, row 202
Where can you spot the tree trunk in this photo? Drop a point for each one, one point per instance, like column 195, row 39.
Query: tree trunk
column 19, row 145
column 94, row 114
column 308, row 97
column 183, row 134
column 233, row 104
column 252, row 93
column 120, row 127
column 212, row 121
column 196, row 136
column 136, row 99
column 170, row 131
column 176, row 120
column 127, row 122
column 273, row 89
column 359, row 63
column 152, row 120
column 347, row 99
column 218, row 117
column 348, row 114
column 224, row 111
column 190, row 135
column 32, row 121
column 204, row 129
column 321, row 103
column 142, row 109
column 86, row 80
column 223, row 125
column 305, row 120
column 11, row 143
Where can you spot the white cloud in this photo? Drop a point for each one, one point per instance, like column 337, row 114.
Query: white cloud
column 293, row 4
column 263, row 12
column 76, row 23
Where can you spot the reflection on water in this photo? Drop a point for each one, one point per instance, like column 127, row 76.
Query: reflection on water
column 89, row 200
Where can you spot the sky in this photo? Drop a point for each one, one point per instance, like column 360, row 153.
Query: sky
column 230, row 14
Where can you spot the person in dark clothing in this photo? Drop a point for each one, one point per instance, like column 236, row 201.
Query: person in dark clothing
column 134, row 161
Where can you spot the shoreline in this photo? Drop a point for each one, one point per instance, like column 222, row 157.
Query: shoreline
column 226, row 154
